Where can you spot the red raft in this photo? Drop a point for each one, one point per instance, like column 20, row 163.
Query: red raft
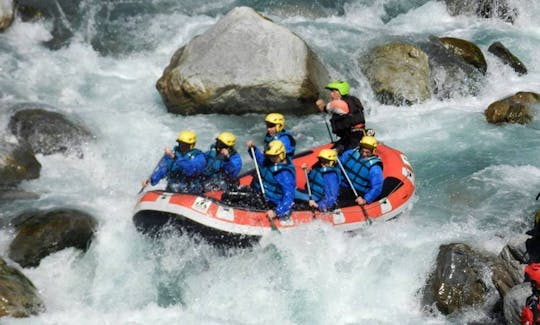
column 207, row 216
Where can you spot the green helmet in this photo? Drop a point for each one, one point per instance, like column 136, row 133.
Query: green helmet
column 340, row 85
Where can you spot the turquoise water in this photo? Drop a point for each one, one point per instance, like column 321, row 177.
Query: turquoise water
column 476, row 182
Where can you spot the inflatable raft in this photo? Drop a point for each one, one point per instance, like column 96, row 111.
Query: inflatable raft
column 221, row 223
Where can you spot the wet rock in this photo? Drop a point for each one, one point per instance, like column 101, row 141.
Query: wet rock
column 399, row 73
column 451, row 75
column 17, row 162
column 457, row 281
column 49, row 132
column 513, row 109
column 466, row 50
column 514, row 301
column 40, row 233
column 244, row 63
column 7, row 14
column 500, row 51
column 509, row 265
column 18, row 296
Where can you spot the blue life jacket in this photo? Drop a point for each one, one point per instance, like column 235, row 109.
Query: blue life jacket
column 185, row 171
column 272, row 188
column 316, row 180
column 220, row 173
column 357, row 168
column 290, row 143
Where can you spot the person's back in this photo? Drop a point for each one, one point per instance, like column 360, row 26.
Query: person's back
column 323, row 182
column 364, row 170
column 223, row 164
column 275, row 130
column 278, row 178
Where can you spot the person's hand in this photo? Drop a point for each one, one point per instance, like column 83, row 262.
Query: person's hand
column 313, row 204
column 271, row 214
column 304, row 166
column 224, row 152
column 320, row 104
column 360, row 200
column 250, row 144
column 169, row 152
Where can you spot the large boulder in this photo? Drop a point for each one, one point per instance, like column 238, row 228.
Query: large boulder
column 244, row 63
column 49, row 132
column 7, row 14
column 17, row 162
column 514, row 301
column 18, row 296
column 509, row 265
column 40, row 233
column 512, row 109
column 466, row 50
column 398, row 73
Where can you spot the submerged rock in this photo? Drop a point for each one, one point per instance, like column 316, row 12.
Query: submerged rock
column 17, row 163
column 500, row 51
column 40, row 233
column 244, row 63
column 49, row 132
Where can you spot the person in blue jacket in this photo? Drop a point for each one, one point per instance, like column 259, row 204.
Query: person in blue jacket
column 275, row 130
column 324, row 179
column 278, row 178
column 223, row 163
column 182, row 166
column 365, row 171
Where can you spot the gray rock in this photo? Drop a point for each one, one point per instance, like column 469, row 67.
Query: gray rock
column 514, row 301
column 49, row 132
column 40, row 233
column 398, row 73
column 244, row 63
column 482, row 8
column 18, row 295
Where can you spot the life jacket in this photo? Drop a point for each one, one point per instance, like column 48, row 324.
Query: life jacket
column 358, row 168
column 356, row 111
column 278, row 136
column 178, row 174
column 214, row 173
column 316, row 180
column 531, row 314
column 272, row 188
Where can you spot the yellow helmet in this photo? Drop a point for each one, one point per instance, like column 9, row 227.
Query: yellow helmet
column 276, row 148
column 368, row 142
column 227, row 138
column 277, row 119
column 328, row 154
column 188, row 137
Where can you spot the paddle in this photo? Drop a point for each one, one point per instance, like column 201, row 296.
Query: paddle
column 148, row 179
column 272, row 224
column 328, row 128
column 368, row 220
column 309, row 191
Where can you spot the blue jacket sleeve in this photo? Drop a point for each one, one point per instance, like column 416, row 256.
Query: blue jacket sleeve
column 342, row 158
column 259, row 156
column 287, row 182
column 233, row 165
column 286, row 143
column 190, row 166
column 375, row 183
column 331, row 190
column 161, row 169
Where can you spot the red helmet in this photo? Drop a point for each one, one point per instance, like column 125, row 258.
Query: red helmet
column 532, row 271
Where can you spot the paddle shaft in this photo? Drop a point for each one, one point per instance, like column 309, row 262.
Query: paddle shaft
column 144, row 186
column 328, row 128
column 309, row 190
column 272, row 224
